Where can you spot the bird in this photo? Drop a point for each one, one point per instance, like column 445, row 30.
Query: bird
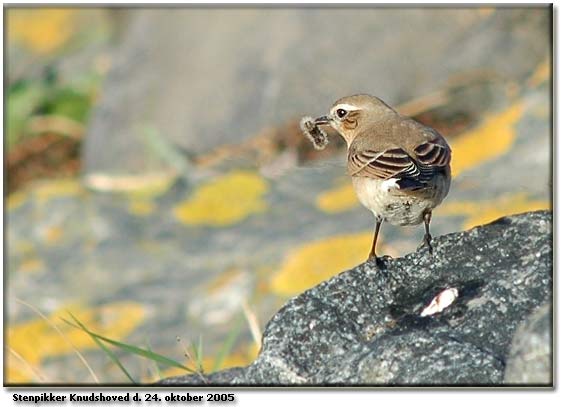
column 400, row 169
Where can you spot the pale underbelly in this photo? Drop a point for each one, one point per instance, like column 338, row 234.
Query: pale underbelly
column 392, row 205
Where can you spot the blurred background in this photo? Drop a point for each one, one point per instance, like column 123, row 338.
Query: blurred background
column 158, row 187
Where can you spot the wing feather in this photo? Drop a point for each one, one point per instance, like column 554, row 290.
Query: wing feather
column 433, row 154
column 415, row 171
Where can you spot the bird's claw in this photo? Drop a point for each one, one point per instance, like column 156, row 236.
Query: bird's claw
column 427, row 243
column 380, row 261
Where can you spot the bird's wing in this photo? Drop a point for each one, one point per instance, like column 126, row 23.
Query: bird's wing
column 414, row 171
column 434, row 154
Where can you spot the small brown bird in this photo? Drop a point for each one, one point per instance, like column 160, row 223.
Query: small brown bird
column 400, row 168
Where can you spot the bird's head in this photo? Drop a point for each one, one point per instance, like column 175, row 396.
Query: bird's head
column 351, row 114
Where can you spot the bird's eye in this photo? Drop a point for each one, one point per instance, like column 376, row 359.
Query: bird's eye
column 341, row 113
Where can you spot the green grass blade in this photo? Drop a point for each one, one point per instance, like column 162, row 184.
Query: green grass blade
column 199, row 355
column 156, row 366
column 107, row 351
column 136, row 350
column 164, row 149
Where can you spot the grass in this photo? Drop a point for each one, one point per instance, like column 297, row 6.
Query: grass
column 158, row 359
column 62, row 335
column 193, row 352
column 28, row 99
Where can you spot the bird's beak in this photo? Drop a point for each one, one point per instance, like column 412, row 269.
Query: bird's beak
column 322, row 120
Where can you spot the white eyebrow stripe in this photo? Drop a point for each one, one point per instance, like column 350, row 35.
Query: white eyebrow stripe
column 345, row 106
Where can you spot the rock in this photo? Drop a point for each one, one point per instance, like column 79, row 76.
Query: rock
column 530, row 359
column 223, row 377
column 70, row 245
column 104, row 248
column 364, row 325
column 199, row 80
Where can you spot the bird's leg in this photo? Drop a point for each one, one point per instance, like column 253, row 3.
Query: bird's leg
column 372, row 254
column 427, row 236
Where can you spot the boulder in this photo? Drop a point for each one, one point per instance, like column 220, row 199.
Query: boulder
column 367, row 326
column 194, row 79
column 530, row 359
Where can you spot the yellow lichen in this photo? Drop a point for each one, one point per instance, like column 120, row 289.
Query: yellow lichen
column 36, row 340
column 489, row 140
column 541, row 74
column 45, row 191
column 140, row 191
column 225, row 200
column 53, row 235
column 31, row 265
column 338, row 199
column 41, row 30
column 480, row 213
column 16, row 200
column 317, row 261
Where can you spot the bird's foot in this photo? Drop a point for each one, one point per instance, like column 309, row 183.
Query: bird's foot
column 379, row 261
column 427, row 243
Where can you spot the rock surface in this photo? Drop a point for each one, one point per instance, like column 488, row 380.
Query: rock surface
column 530, row 359
column 198, row 91
column 70, row 245
column 364, row 326
column 258, row 227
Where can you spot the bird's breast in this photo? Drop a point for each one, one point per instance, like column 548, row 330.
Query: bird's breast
column 388, row 203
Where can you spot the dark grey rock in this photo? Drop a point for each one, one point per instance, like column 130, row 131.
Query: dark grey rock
column 223, row 377
column 530, row 359
column 364, row 326
column 205, row 77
